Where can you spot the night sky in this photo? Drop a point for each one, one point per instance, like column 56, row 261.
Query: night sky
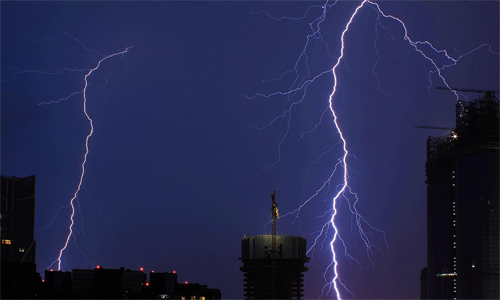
column 181, row 163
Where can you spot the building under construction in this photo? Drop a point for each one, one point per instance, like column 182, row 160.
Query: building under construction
column 273, row 265
column 463, row 217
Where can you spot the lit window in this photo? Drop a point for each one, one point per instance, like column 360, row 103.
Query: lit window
column 193, row 297
column 21, row 250
column 183, row 298
column 6, row 242
column 202, row 298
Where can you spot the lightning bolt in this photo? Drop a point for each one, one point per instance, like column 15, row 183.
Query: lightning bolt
column 91, row 132
column 85, row 73
column 299, row 87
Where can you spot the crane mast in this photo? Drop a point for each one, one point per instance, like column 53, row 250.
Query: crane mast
column 434, row 127
column 274, row 217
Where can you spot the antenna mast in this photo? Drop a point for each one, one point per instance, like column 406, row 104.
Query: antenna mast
column 274, row 216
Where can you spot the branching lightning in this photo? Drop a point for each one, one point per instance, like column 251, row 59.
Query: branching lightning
column 299, row 87
column 295, row 95
column 82, row 174
column 88, row 72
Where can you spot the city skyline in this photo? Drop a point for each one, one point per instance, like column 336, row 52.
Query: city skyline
column 181, row 163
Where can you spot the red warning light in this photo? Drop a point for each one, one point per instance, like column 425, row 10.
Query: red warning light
column 152, row 271
column 98, row 267
column 173, row 272
column 147, row 283
column 43, row 280
column 51, row 270
column 141, row 269
column 185, row 282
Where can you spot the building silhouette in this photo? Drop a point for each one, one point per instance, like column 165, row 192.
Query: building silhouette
column 463, row 217
column 17, row 227
column 194, row 291
column 19, row 279
column 56, row 285
column 163, row 283
column 104, row 283
column 18, row 219
column 82, row 283
column 258, row 265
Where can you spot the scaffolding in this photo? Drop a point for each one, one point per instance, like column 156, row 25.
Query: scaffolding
column 477, row 125
column 288, row 265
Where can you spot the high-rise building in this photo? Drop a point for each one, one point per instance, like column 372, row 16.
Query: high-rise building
column 463, row 216
column 441, row 212
column 17, row 227
column 18, row 219
column 477, row 195
column 288, row 265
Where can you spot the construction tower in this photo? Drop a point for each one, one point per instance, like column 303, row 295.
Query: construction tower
column 273, row 265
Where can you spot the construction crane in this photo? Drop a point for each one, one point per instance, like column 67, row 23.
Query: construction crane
column 274, row 217
column 453, row 134
column 434, row 127
column 488, row 94
column 467, row 90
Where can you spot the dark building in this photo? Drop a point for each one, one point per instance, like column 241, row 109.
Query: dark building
column 134, row 285
column 82, row 282
column 18, row 219
column 477, row 194
column 441, row 212
column 163, row 284
column 258, row 267
column 19, row 280
column 56, row 285
column 463, row 236
column 195, row 291
column 17, row 227
column 103, row 283
column 111, row 283
column 423, row 284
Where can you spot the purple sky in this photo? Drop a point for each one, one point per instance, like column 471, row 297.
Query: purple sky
column 178, row 172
